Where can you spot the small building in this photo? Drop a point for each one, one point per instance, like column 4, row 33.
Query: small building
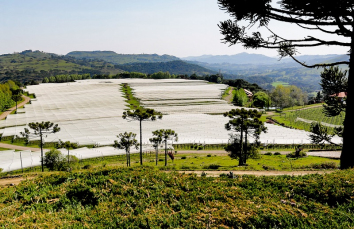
column 249, row 94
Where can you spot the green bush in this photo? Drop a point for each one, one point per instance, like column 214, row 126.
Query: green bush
column 88, row 166
column 209, row 155
column 324, row 165
column 55, row 160
column 277, row 153
column 296, row 155
column 268, row 153
column 184, row 157
column 211, row 166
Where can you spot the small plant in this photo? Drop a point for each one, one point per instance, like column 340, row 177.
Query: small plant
column 209, row 155
column 88, row 166
column 268, row 153
column 184, row 157
column 204, row 174
column 160, row 159
column 296, row 155
column 266, row 167
column 211, row 166
column 277, row 153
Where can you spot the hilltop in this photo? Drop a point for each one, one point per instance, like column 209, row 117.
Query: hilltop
column 35, row 65
column 112, row 57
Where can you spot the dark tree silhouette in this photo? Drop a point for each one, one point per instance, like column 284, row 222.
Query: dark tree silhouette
column 156, row 141
column 328, row 17
column 39, row 130
column 126, row 141
column 140, row 115
column 67, row 145
column 245, row 122
column 168, row 135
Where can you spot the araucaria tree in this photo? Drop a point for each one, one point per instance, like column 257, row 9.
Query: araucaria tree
column 67, row 145
column 141, row 115
column 326, row 17
column 126, row 141
column 244, row 122
column 156, row 140
column 168, row 135
column 40, row 129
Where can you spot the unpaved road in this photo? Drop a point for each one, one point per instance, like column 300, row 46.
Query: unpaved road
column 6, row 113
column 11, row 181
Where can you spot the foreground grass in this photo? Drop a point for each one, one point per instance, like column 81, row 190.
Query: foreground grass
column 148, row 198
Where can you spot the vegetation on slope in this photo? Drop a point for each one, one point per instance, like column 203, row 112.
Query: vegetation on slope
column 112, row 57
column 35, row 65
column 146, row 198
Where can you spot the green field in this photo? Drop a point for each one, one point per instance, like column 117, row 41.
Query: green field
column 274, row 84
column 316, row 114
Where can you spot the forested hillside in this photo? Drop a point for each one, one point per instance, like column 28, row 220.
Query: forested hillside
column 115, row 58
column 177, row 67
column 31, row 65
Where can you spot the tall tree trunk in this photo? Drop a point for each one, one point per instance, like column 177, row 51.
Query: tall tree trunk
column 141, row 144
column 166, row 152
column 347, row 156
column 126, row 152
column 41, row 142
column 157, row 153
column 240, row 161
column 245, row 148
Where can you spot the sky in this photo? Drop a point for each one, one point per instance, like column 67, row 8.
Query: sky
column 175, row 27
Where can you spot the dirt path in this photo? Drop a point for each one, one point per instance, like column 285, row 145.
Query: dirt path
column 257, row 173
column 13, row 180
column 229, row 98
column 6, row 113
column 15, row 147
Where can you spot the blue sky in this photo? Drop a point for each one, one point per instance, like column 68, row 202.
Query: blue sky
column 175, row 27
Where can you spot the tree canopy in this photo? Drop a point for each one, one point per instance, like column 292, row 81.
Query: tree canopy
column 325, row 17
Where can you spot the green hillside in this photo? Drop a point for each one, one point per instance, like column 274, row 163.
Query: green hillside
column 115, row 58
column 35, row 65
column 177, row 67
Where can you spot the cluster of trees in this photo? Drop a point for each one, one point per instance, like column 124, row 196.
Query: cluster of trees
column 287, row 96
column 65, row 78
column 10, row 94
column 329, row 20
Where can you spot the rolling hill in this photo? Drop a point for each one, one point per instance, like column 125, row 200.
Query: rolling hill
column 112, row 57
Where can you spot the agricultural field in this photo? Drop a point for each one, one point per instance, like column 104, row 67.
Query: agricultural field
column 145, row 197
column 302, row 118
column 89, row 112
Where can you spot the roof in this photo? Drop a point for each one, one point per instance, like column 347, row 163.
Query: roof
column 340, row 94
column 248, row 93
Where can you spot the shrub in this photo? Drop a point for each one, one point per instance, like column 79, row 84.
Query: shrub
column 88, row 166
column 209, row 155
column 277, row 153
column 296, row 155
column 324, row 165
column 267, row 167
column 268, row 153
column 184, row 157
column 160, row 159
column 53, row 160
column 1, row 170
column 211, row 166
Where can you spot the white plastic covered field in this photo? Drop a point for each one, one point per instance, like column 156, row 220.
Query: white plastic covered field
column 90, row 112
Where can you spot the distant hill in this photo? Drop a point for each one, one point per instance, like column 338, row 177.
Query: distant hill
column 35, row 65
column 112, row 57
column 177, row 67
column 241, row 58
column 264, row 70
